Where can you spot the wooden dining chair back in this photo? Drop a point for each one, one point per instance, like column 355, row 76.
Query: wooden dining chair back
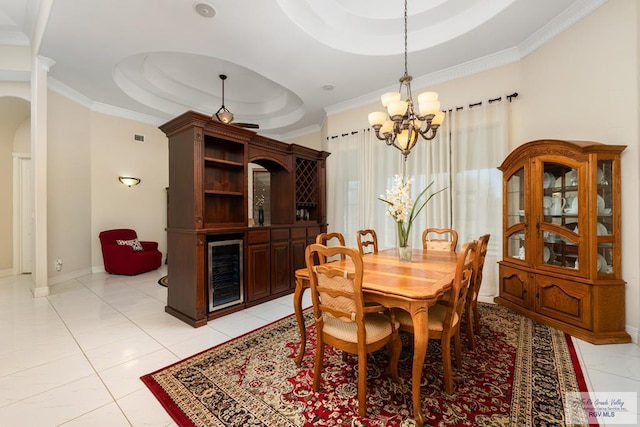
column 447, row 240
column 471, row 305
column 367, row 241
column 444, row 319
column 342, row 319
column 331, row 239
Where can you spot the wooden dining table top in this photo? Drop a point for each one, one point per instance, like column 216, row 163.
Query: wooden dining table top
column 426, row 277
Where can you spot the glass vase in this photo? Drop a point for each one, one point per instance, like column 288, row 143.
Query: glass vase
column 261, row 216
column 404, row 254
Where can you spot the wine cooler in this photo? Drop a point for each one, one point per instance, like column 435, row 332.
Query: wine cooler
column 225, row 283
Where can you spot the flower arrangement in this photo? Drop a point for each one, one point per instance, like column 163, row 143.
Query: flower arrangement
column 260, row 200
column 402, row 208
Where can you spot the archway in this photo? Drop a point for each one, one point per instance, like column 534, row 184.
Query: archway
column 15, row 186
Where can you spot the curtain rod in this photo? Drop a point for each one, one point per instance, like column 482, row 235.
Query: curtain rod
column 477, row 104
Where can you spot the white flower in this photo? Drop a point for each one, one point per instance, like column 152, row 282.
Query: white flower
column 401, row 207
column 398, row 199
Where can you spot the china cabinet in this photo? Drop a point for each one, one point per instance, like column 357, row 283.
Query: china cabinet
column 561, row 237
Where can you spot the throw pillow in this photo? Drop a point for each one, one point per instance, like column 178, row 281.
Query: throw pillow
column 134, row 243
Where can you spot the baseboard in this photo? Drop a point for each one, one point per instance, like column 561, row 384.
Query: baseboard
column 98, row 269
column 6, row 273
column 635, row 334
column 68, row 276
column 40, row 291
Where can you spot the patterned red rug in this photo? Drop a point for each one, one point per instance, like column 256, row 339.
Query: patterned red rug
column 517, row 376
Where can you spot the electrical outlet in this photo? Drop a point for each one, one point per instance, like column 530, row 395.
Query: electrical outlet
column 59, row 264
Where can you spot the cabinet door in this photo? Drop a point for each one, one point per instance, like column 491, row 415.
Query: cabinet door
column 259, row 276
column 564, row 300
column 280, row 272
column 515, row 286
column 516, row 212
column 607, row 204
column 561, row 218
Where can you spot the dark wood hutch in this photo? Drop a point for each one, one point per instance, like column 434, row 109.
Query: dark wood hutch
column 208, row 205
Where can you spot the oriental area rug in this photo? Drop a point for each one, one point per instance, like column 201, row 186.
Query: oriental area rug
column 517, row 376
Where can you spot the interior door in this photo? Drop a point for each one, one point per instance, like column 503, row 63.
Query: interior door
column 23, row 215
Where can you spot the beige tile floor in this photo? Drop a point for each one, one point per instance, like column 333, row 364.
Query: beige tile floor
column 75, row 357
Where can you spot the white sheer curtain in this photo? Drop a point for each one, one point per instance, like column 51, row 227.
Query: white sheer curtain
column 462, row 159
column 479, row 144
column 360, row 169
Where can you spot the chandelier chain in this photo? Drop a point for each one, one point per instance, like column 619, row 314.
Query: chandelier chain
column 401, row 125
column 406, row 68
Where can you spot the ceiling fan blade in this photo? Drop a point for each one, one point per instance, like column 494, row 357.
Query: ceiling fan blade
column 247, row 125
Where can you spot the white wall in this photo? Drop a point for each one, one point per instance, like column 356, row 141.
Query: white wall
column 68, row 187
column 581, row 85
column 22, row 138
column 311, row 140
column 114, row 205
column 87, row 153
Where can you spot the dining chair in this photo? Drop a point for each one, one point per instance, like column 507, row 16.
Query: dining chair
column 342, row 319
column 444, row 319
column 367, row 241
column 442, row 243
column 471, row 305
column 326, row 238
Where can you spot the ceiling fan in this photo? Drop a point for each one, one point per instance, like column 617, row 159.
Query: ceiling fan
column 225, row 116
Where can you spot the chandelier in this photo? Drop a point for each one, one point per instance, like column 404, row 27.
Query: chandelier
column 400, row 126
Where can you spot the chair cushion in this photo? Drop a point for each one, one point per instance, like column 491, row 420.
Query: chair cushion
column 134, row 243
column 377, row 326
column 436, row 317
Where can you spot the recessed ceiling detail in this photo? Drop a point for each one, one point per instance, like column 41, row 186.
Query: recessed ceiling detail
column 173, row 82
column 375, row 27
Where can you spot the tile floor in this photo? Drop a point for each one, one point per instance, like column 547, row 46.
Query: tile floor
column 75, row 357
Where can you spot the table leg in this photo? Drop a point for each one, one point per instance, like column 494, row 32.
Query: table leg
column 297, row 306
column 420, row 343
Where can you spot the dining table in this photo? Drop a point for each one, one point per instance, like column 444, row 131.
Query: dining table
column 413, row 287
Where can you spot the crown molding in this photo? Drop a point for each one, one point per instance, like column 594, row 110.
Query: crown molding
column 67, row 92
column 299, row 132
column 100, row 107
column 573, row 14
column 123, row 113
column 468, row 68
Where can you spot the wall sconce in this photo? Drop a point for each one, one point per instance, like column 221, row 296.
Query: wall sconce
column 129, row 181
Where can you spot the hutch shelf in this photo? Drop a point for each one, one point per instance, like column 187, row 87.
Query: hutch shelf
column 561, row 238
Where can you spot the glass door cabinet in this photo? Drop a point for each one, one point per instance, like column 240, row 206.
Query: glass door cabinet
column 561, row 237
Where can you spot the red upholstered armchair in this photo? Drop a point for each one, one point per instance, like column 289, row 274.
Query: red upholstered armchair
column 123, row 253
